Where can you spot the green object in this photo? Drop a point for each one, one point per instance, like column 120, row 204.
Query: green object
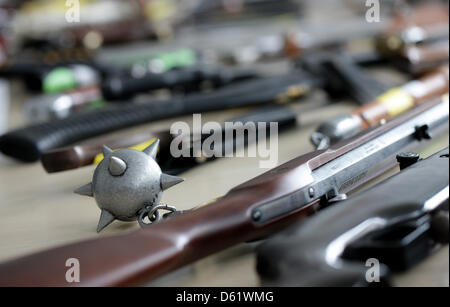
column 58, row 80
column 97, row 104
column 163, row 61
column 179, row 58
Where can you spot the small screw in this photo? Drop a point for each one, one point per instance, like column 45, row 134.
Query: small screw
column 311, row 192
column 256, row 215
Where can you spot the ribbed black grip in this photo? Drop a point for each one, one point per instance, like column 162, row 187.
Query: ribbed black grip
column 29, row 143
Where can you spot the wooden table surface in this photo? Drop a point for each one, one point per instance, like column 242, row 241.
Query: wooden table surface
column 39, row 211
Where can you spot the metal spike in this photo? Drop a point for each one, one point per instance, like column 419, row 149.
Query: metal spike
column 106, row 150
column 152, row 150
column 106, row 218
column 168, row 181
column 117, row 166
column 85, row 190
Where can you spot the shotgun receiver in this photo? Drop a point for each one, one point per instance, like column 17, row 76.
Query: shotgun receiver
column 250, row 211
column 398, row 222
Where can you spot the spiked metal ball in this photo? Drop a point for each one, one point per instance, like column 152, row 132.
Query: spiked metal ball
column 126, row 182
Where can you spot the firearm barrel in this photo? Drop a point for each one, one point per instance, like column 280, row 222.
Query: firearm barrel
column 253, row 210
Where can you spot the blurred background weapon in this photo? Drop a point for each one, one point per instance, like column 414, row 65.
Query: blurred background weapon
column 391, row 104
column 66, row 158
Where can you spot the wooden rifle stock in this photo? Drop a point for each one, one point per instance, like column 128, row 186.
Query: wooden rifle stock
column 163, row 247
